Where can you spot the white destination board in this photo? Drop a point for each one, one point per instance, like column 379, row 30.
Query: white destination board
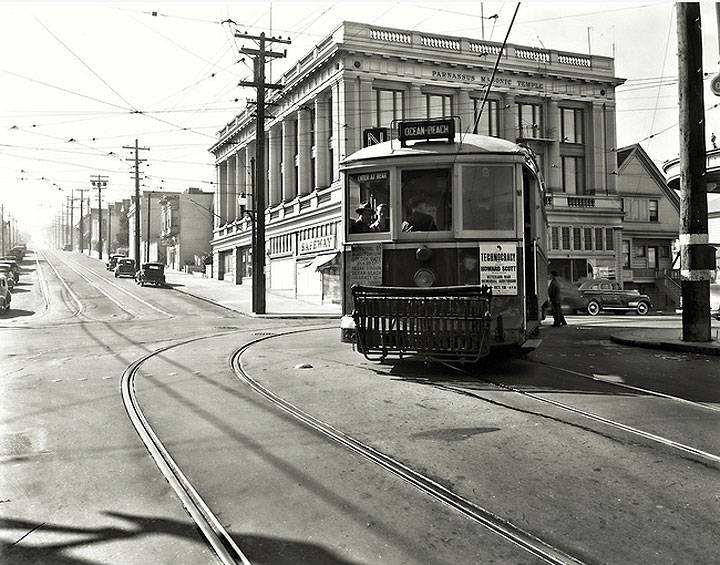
column 366, row 265
column 498, row 268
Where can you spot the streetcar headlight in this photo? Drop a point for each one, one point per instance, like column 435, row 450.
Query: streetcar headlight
column 424, row 277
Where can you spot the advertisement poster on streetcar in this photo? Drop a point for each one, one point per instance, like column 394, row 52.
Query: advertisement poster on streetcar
column 498, row 268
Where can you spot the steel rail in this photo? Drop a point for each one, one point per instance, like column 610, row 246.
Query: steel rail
column 117, row 286
column 667, row 442
column 215, row 534
column 44, row 288
column 504, row 528
column 641, row 390
column 74, row 296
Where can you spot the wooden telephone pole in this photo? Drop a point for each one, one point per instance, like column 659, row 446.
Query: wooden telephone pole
column 82, row 192
column 137, row 161
column 99, row 182
column 258, row 258
column 697, row 258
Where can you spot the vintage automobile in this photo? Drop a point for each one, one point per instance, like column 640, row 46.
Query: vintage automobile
column 13, row 264
column 151, row 273
column 607, row 295
column 112, row 261
column 5, row 295
column 125, row 267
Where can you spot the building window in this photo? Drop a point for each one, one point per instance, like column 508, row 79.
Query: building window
column 639, row 251
column 577, row 241
column 530, row 120
column 599, row 239
column 626, row 254
column 609, row 239
column 587, row 233
column 565, row 238
column 388, row 107
column 653, row 210
column 439, row 105
column 571, row 126
column 555, row 238
column 573, row 175
column 652, row 257
column 489, row 123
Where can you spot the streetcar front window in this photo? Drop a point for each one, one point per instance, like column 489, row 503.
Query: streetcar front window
column 426, row 200
column 369, row 202
column 487, row 198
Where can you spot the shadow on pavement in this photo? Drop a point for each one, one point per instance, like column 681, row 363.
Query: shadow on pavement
column 16, row 313
column 259, row 549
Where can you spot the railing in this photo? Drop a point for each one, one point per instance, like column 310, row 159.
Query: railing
column 533, row 55
column 580, row 202
column 390, row 36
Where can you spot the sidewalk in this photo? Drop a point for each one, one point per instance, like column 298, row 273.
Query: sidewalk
column 667, row 340
column 238, row 297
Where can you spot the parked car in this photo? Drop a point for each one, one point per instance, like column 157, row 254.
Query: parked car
column 13, row 266
column 112, row 261
column 6, row 272
column 606, row 295
column 67, row 247
column 571, row 300
column 151, row 273
column 125, row 267
column 5, row 294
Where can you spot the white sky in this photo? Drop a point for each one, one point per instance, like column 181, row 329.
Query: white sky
column 78, row 71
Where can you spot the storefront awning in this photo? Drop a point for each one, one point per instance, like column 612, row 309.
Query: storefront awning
column 321, row 261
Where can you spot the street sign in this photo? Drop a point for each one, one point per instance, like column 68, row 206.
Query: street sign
column 373, row 136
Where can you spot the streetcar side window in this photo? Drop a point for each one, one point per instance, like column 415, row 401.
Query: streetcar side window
column 488, row 198
column 369, row 202
column 426, row 200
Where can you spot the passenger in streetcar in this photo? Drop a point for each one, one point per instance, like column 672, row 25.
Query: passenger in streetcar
column 382, row 218
column 361, row 224
column 420, row 218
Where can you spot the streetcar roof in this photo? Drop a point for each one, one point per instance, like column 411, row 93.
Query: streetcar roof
column 465, row 144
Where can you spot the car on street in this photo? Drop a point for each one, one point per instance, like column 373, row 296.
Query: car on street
column 5, row 294
column 112, row 261
column 125, row 267
column 151, row 273
column 571, row 300
column 605, row 295
column 6, row 272
column 13, row 266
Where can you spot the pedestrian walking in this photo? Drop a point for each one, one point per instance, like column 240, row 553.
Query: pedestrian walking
column 554, row 297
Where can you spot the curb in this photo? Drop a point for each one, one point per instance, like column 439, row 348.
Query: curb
column 262, row 316
column 667, row 345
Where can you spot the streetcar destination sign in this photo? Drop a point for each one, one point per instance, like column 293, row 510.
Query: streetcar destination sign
column 426, row 130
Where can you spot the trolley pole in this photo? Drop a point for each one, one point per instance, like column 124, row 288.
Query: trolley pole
column 258, row 257
column 99, row 182
column 697, row 258
column 137, row 198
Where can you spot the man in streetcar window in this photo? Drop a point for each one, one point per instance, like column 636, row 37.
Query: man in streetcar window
column 382, row 218
column 420, row 218
column 361, row 224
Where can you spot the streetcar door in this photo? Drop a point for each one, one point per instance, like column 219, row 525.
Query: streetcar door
column 530, row 203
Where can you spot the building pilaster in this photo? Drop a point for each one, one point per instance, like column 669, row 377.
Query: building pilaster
column 288, row 160
column 274, row 141
column 322, row 135
column 231, row 188
column 554, row 165
column 304, row 151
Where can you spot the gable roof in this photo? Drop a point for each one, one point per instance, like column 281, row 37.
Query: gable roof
column 624, row 154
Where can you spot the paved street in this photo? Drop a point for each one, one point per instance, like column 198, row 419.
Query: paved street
column 550, row 444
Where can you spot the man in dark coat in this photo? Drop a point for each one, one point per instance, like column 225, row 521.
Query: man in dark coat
column 361, row 224
column 554, row 297
column 420, row 218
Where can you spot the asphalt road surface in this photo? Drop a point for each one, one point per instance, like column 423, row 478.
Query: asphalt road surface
column 585, row 452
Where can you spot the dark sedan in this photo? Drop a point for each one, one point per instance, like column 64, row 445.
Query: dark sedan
column 606, row 295
column 125, row 268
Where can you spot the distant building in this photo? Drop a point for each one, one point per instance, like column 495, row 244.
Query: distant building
column 186, row 224
column 151, row 248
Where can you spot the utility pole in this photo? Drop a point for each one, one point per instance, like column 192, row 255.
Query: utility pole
column 147, row 234
column 109, row 229
column 697, row 258
column 81, row 226
column 137, row 198
column 258, row 256
column 2, row 228
column 99, row 182
column 89, row 226
column 72, row 225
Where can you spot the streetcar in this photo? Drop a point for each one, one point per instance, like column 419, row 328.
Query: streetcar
column 444, row 245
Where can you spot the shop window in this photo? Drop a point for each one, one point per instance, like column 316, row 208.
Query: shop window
column 369, row 198
column 487, row 198
column 653, row 211
column 571, row 125
column 489, row 123
column 388, row 107
column 426, row 200
column 626, row 254
column 530, row 120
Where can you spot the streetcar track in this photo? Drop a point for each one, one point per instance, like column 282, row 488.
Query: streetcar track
column 215, row 534
column 500, row 526
column 69, row 291
column 705, row 456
